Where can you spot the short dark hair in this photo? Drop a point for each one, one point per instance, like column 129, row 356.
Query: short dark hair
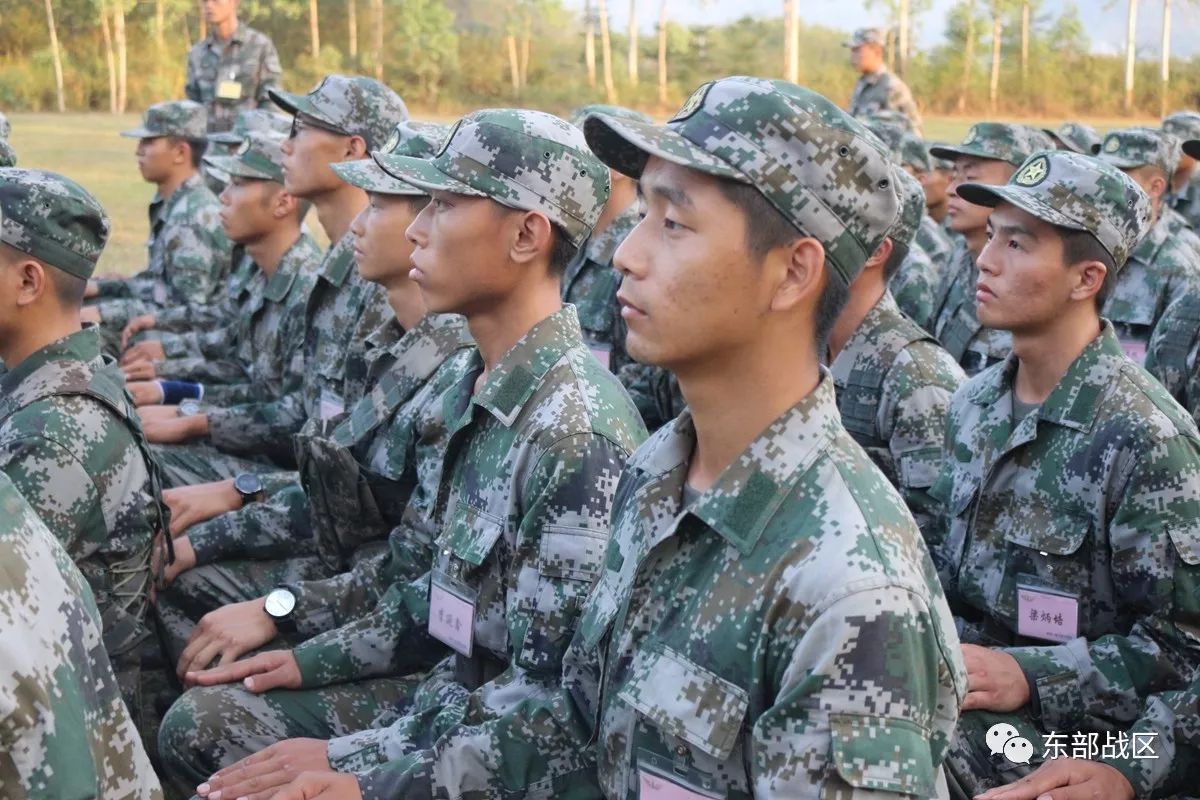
column 899, row 253
column 767, row 229
column 1083, row 246
column 562, row 252
column 68, row 289
column 197, row 148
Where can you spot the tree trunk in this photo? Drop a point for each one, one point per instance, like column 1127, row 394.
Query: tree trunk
column 1026, row 13
column 662, row 53
column 589, row 43
column 57, row 56
column 787, row 36
column 968, row 58
column 110, row 58
column 352, row 28
column 526, row 46
column 994, row 83
column 793, row 73
column 1166, row 57
column 314, row 29
column 902, row 45
column 633, row 43
column 122, row 55
column 160, row 34
column 377, row 7
column 514, row 69
column 610, row 89
column 889, row 48
column 1130, row 53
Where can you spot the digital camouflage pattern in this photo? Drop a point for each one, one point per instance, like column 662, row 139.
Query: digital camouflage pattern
column 70, row 441
column 1076, row 137
column 65, row 731
column 893, row 384
column 1174, row 352
column 935, row 240
column 915, row 282
column 532, row 462
column 52, row 218
column 258, row 156
column 912, row 208
column 189, row 258
column 8, row 156
column 527, row 160
column 889, row 130
column 254, row 120
column 409, row 138
column 1094, row 496
column 233, row 76
column 353, row 104
column 183, row 118
column 914, row 152
column 5, row 127
column 1186, row 202
column 580, row 115
column 178, row 328
column 883, row 90
column 999, row 141
column 1128, row 148
column 734, row 128
column 955, row 322
column 590, row 283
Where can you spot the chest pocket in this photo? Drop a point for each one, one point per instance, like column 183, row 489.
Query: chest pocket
column 905, row 766
column 1050, row 548
column 959, row 330
column 467, row 552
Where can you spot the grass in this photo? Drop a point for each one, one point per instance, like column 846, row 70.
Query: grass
column 89, row 149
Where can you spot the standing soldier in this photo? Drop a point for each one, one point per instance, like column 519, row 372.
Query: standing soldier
column 233, row 68
column 877, row 88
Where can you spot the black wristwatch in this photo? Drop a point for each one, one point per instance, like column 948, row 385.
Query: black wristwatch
column 280, row 604
column 249, row 487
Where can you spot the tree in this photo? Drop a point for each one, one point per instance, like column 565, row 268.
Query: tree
column 122, row 55
column 56, row 54
column 352, row 29
column 377, row 9
column 1166, row 58
column 997, row 41
column 589, row 42
column 662, row 53
column 968, row 57
column 633, row 43
column 314, row 29
column 791, row 40
column 1026, row 13
column 610, row 89
column 110, row 58
column 1130, row 54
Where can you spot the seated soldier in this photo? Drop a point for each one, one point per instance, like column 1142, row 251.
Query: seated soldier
column 1071, row 492
column 69, row 435
column 1165, row 265
column 189, row 256
column 8, row 156
column 914, row 278
column 1074, row 136
column 1173, row 355
column 934, row 239
column 64, row 731
column 539, row 432
column 991, row 153
column 341, row 119
column 1183, row 196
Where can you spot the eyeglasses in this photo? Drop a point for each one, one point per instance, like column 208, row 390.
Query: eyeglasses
column 302, row 122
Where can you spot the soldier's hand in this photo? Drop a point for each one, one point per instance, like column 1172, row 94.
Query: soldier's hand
column 1065, row 779
column 143, row 322
column 225, row 635
column 143, row 351
column 144, row 392
column 140, row 371
column 274, row 669
column 89, row 314
column 191, row 505
column 321, row 786
column 259, row 776
column 185, row 559
column 163, row 425
column 995, row 681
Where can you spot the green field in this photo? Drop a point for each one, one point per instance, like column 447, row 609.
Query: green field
column 87, row 147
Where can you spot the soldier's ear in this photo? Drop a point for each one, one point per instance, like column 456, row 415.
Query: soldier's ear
column 356, row 148
column 1091, row 279
column 797, row 268
column 534, row 235
column 29, row 280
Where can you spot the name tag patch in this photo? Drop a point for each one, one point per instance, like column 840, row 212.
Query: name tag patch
column 452, row 613
column 229, row 90
column 1050, row 616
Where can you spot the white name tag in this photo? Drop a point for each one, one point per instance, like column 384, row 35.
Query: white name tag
column 1046, row 615
column 229, row 90
column 331, row 405
column 603, row 355
column 1135, row 350
column 452, row 613
column 656, row 786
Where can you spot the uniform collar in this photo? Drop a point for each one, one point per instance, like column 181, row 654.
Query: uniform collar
column 862, row 344
column 874, row 77
column 290, row 265
column 82, row 345
column 237, row 38
column 602, row 247
column 339, row 260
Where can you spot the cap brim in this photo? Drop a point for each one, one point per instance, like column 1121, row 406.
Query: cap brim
column 1191, row 147
column 992, row 196
column 225, row 137
column 953, row 152
column 142, row 133
column 233, row 166
column 421, row 173
column 1120, row 163
column 366, row 174
column 290, row 103
column 626, row 145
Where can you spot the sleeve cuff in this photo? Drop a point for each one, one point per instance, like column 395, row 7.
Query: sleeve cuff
column 358, row 752
column 1055, row 681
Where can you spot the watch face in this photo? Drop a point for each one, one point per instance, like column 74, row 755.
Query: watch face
column 280, row 603
column 188, row 408
column 247, row 483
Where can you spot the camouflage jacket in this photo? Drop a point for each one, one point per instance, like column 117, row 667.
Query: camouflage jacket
column 232, row 77
column 733, row 645
column 935, row 240
column 1093, row 499
column 654, row 391
column 64, row 729
column 954, row 320
column 915, row 286
column 1174, row 353
column 1187, row 202
column 71, row 442
column 884, row 91
column 342, row 308
column 532, row 463
column 590, row 283
column 251, row 358
column 189, row 258
column 893, row 386
column 1162, row 268
column 179, row 327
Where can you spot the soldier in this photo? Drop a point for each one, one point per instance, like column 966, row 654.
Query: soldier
column 1071, row 489
column 253, row 120
column 341, row 119
column 234, row 69
column 188, row 251
column 5, row 127
column 66, row 732
column 1165, row 265
column 1173, row 355
column 1074, row 136
column 768, row 622
column 1184, row 193
column 990, row 154
column 69, row 435
column 539, row 433
column 877, row 88
column 913, row 155
column 8, row 156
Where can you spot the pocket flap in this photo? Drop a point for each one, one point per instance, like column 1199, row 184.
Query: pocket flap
column 470, row 535
column 685, row 700
column 575, row 553
column 1047, row 529
column 883, row 754
column 919, row 468
column 1186, row 539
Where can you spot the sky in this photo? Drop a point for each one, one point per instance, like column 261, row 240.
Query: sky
column 1107, row 16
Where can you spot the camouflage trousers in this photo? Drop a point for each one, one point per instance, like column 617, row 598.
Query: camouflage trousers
column 971, row 768
column 187, row 465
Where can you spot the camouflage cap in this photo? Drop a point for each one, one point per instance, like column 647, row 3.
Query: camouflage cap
column 1128, row 148
column 887, row 116
column 183, row 118
column 912, row 208
column 1184, row 124
column 1075, row 136
column 1074, row 191
column 583, row 112
column 258, row 156
column 8, row 156
column 410, row 138
column 5, row 126
column 252, row 120
column 353, row 104
column 914, row 152
column 818, row 166
column 999, row 141
column 866, row 36
column 52, row 218
column 888, row 131
column 528, row 160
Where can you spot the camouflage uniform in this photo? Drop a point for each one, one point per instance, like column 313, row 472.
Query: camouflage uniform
column 1174, row 352
column 1084, row 514
column 1165, row 266
column 954, row 320
column 70, row 439
column 914, row 283
column 1186, row 126
column 5, row 127
column 1075, row 136
column 531, row 466
column 227, row 77
column 254, row 120
column 881, row 90
column 8, row 156
column 189, row 255
column 65, row 731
